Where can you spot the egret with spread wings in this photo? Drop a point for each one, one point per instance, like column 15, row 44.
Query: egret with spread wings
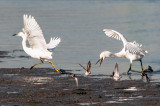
column 38, row 47
column 131, row 50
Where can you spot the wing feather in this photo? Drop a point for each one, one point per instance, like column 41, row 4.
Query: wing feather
column 89, row 66
column 115, row 34
column 116, row 71
column 34, row 33
column 53, row 43
column 83, row 67
column 135, row 48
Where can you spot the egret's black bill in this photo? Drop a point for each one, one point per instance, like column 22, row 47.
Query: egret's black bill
column 100, row 60
column 14, row 34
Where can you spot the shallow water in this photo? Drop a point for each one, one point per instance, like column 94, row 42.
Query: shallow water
column 79, row 24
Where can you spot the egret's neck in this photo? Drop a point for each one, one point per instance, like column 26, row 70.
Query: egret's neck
column 119, row 55
column 24, row 42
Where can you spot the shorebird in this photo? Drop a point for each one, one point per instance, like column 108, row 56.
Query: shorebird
column 149, row 69
column 131, row 50
column 88, row 70
column 71, row 74
column 143, row 74
column 38, row 47
column 116, row 73
column 76, row 79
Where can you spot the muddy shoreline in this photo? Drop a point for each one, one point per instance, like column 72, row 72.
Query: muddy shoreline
column 43, row 86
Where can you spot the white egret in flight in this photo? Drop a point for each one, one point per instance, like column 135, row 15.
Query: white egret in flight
column 38, row 47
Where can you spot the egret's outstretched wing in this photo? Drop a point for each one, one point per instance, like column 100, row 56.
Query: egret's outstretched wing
column 53, row 43
column 115, row 34
column 34, row 33
column 134, row 48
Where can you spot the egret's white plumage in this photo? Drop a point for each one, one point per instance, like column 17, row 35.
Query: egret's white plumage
column 38, row 47
column 131, row 50
column 53, row 43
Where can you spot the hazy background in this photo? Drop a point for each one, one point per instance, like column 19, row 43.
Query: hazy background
column 80, row 24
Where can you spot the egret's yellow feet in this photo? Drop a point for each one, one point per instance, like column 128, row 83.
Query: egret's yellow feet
column 58, row 70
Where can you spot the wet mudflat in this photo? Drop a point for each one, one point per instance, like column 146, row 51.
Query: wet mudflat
column 43, row 86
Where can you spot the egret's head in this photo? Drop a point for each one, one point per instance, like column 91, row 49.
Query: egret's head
column 103, row 55
column 19, row 34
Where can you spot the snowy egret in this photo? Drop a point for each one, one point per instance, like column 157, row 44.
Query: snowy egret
column 88, row 70
column 38, row 47
column 131, row 50
column 116, row 73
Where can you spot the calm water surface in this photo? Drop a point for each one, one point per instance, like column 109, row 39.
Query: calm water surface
column 79, row 23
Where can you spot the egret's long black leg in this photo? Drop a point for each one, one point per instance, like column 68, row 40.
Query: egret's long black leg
column 141, row 64
column 143, row 73
column 129, row 68
column 38, row 64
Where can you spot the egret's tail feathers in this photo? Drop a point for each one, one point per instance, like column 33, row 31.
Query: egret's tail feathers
column 53, row 43
column 144, row 52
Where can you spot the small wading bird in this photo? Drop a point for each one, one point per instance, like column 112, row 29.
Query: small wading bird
column 76, row 79
column 131, row 50
column 116, row 73
column 143, row 73
column 38, row 47
column 88, row 70
column 71, row 74
column 149, row 69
